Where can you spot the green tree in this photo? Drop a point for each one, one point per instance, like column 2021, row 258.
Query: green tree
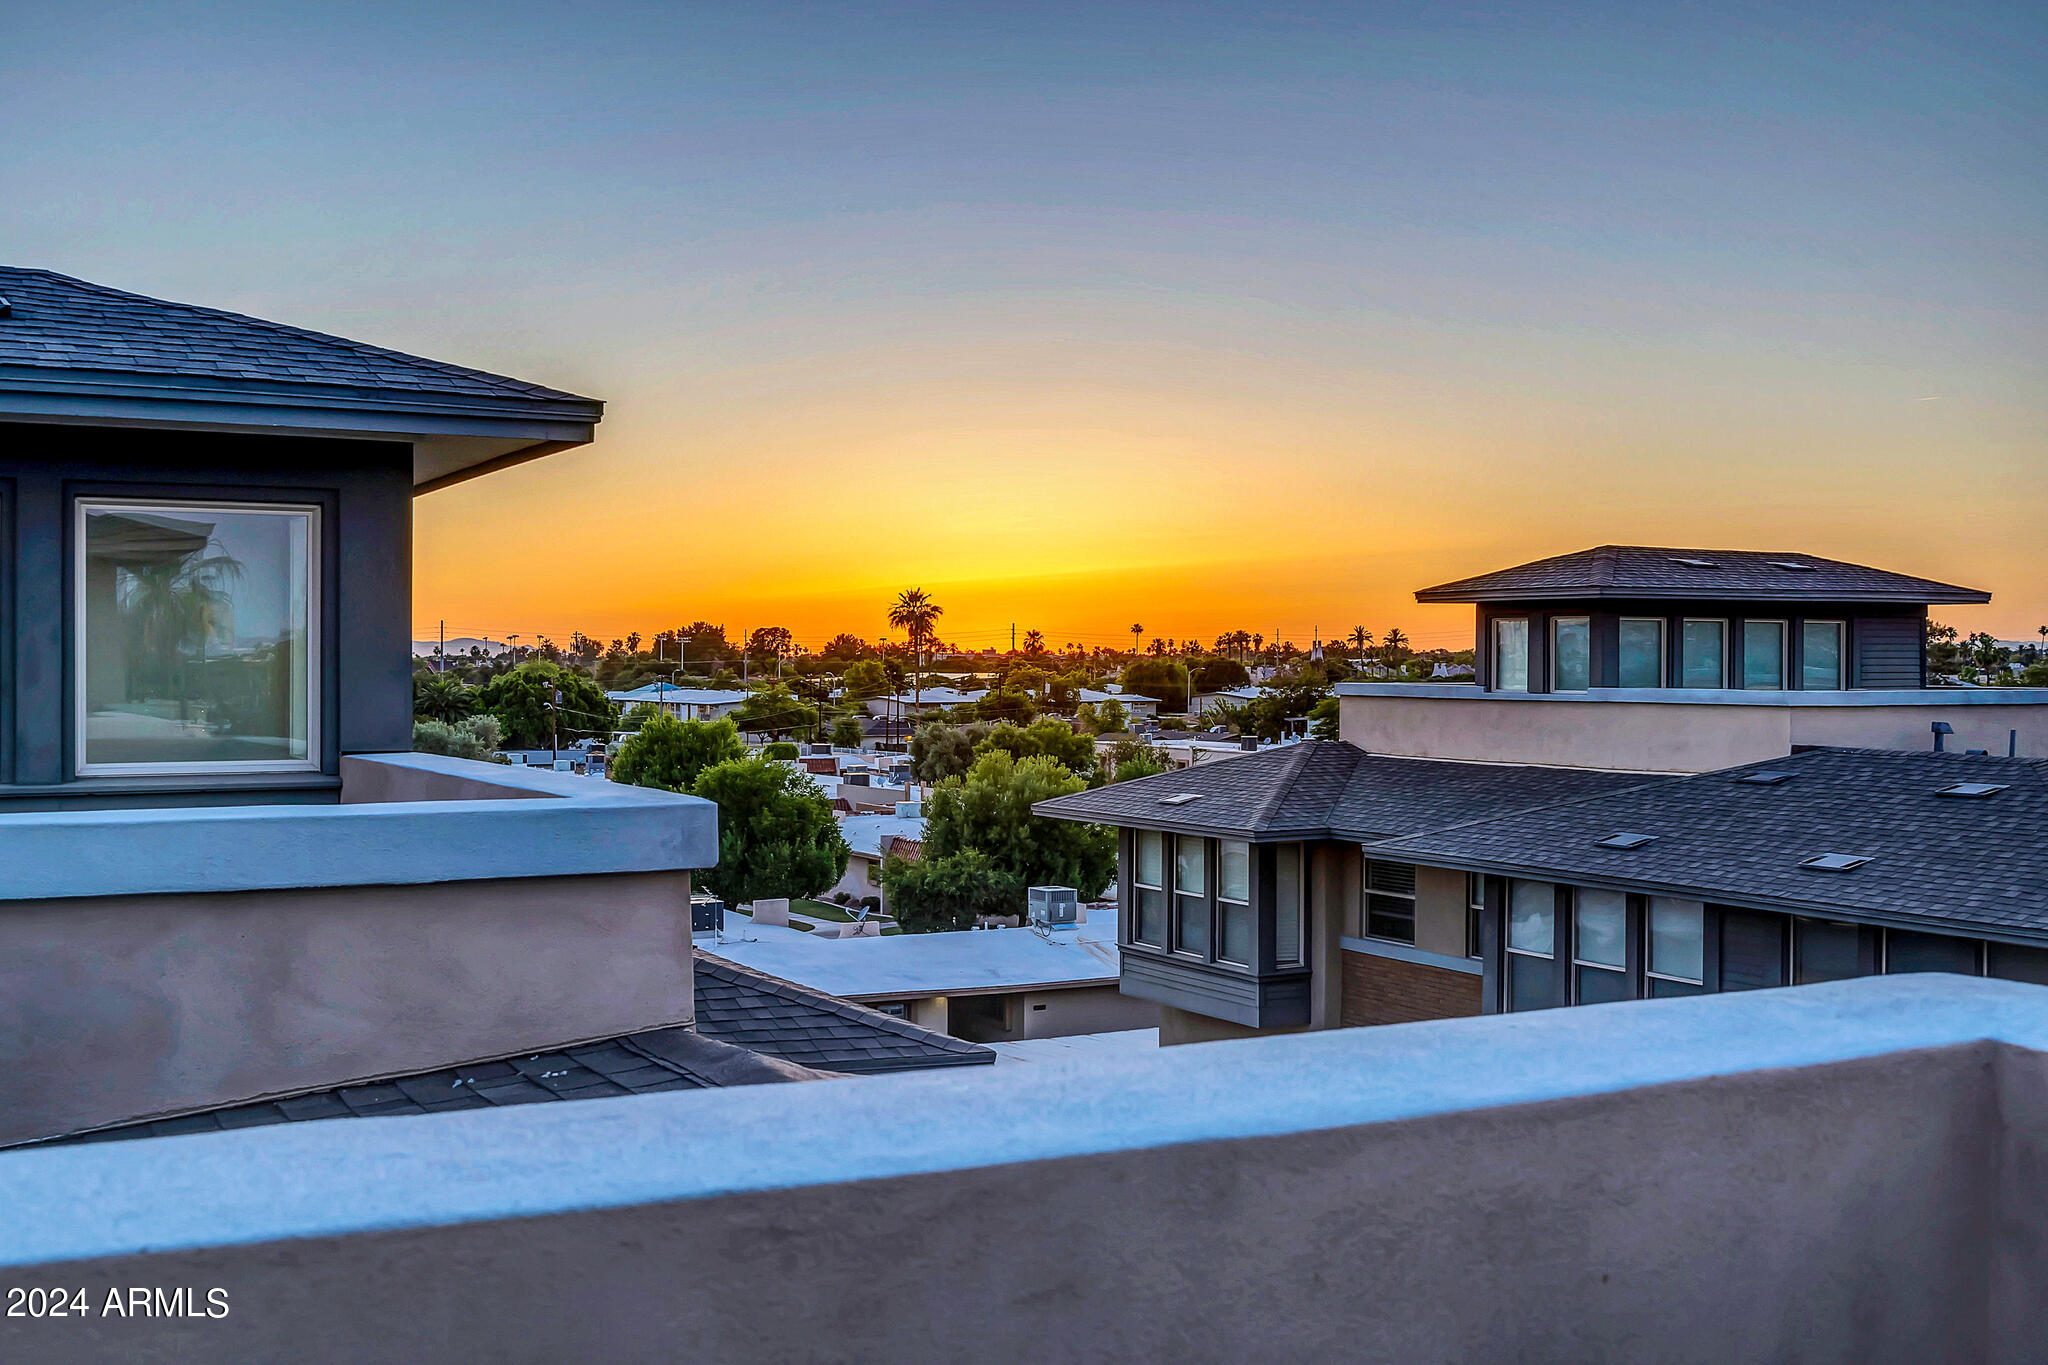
column 475, row 737
column 780, row 749
column 777, row 710
column 846, row 733
column 915, row 613
column 938, row 895
column 990, row 809
column 1012, row 707
column 443, row 697
column 1063, row 692
column 939, row 751
column 1944, row 653
column 670, row 753
column 638, row 715
column 865, row 678
column 1048, row 738
column 1166, row 679
column 776, row 834
column 1323, row 719
column 1111, row 718
column 523, row 700
column 1214, row 675
column 844, row 648
column 1133, row 758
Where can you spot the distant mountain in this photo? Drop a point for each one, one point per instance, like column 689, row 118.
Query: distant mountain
column 458, row 647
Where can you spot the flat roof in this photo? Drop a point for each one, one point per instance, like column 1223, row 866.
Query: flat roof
column 905, row 966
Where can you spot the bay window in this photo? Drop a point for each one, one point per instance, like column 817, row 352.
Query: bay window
column 1599, row 946
column 1703, row 654
column 1571, row 654
column 1641, row 652
column 1191, row 895
column 1511, row 655
column 1820, row 656
column 1763, row 655
column 1234, row 901
column 197, row 637
column 1532, row 945
column 1149, row 880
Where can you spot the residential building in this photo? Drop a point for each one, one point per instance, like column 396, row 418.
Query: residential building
column 1283, row 890
column 228, row 879
column 870, row 840
column 985, row 985
column 931, row 701
column 682, row 703
column 1136, row 705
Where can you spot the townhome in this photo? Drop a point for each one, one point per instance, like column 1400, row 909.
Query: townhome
column 1287, row 890
column 227, row 878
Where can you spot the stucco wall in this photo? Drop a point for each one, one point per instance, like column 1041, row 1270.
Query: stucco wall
column 1674, row 735
column 125, row 1007
column 1869, row 1209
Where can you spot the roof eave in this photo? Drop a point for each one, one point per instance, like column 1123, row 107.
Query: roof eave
column 455, row 436
column 1917, row 597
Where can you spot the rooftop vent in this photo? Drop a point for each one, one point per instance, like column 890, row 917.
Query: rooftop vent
column 1833, row 862
column 1694, row 563
column 1623, row 839
column 1971, row 789
column 1180, row 798
column 1765, row 778
column 1789, row 565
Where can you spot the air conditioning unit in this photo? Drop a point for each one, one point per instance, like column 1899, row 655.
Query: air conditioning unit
column 1053, row 905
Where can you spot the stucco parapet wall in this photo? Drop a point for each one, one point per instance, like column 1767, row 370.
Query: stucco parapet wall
column 1685, row 696
column 249, row 1187
column 404, row 819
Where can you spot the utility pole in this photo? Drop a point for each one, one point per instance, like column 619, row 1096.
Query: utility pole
column 1013, row 637
column 554, row 731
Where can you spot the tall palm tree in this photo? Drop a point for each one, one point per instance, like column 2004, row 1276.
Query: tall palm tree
column 1034, row 642
column 1394, row 645
column 1136, row 631
column 1360, row 638
column 916, row 613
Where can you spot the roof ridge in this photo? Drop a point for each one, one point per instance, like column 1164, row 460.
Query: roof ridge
column 1297, row 762
column 361, row 348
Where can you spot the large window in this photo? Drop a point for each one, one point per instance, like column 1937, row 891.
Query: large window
column 1389, row 901
column 1234, row 901
column 1532, row 944
column 1703, row 654
column 1288, row 903
column 1825, row 950
column 1571, row 654
column 197, row 637
column 1511, row 655
column 1149, row 877
column 1600, row 946
column 1676, row 963
column 1191, row 895
column 1907, row 951
column 1820, row 656
column 1642, row 652
column 1763, row 655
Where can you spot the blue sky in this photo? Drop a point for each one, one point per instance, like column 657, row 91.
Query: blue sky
column 1270, row 312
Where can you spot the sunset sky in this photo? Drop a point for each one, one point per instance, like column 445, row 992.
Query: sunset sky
column 1199, row 316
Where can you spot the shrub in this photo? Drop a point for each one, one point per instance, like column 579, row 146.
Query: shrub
column 781, row 748
column 477, row 737
column 670, row 753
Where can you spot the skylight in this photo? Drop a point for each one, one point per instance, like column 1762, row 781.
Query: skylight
column 1180, row 798
column 1765, row 778
column 1833, row 862
column 1623, row 839
column 1790, row 565
column 1971, row 789
column 1694, row 563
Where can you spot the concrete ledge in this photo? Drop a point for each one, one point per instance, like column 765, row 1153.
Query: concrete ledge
column 426, row 819
column 1833, row 1173
column 1688, row 696
column 1402, row 952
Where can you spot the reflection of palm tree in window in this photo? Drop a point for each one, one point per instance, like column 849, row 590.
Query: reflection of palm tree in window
column 174, row 608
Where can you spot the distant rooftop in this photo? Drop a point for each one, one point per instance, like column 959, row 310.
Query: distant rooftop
column 1646, row 571
column 902, row 966
column 1328, row 789
column 71, row 350
column 673, row 695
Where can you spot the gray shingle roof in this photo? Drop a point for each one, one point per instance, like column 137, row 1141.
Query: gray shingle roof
column 1328, row 789
column 751, row 1028
column 1981, row 863
column 54, row 322
column 764, row 1013
column 1646, row 571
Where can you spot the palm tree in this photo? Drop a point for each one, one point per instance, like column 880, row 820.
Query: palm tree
column 633, row 642
column 915, row 613
column 1395, row 646
column 1360, row 638
column 181, row 606
column 1034, row 642
column 443, row 697
column 1136, row 631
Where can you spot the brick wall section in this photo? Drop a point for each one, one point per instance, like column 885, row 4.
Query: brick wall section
column 1383, row 990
